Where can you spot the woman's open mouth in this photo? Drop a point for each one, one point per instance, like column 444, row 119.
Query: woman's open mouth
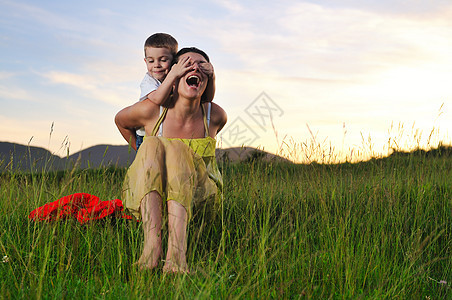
column 193, row 81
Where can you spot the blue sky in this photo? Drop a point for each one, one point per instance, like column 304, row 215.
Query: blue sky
column 332, row 73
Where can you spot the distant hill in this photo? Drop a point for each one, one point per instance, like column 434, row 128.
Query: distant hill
column 104, row 155
column 441, row 151
column 21, row 157
column 241, row 154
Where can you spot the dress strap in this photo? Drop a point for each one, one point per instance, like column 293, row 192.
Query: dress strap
column 159, row 125
column 206, row 119
column 209, row 108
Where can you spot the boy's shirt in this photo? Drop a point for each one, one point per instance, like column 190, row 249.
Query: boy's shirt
column 148, row 85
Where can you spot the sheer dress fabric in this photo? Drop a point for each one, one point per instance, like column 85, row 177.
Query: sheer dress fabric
column 183, row 170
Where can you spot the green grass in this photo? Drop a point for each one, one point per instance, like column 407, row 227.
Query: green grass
column 372, row 230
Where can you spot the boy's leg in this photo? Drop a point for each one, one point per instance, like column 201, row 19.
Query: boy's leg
column 151, row 216
column 176, row 260
column 139, row 140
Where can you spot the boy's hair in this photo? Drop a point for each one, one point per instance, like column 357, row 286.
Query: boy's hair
column 188, row 50
column 161, row 40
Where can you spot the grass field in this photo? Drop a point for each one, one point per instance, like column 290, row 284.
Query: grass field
column 372, row 230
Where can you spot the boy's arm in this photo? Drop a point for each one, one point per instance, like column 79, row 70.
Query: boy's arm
column 159, row 95
column 209, row 93
column 162, row 93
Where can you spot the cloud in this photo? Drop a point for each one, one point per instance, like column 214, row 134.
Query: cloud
column 231, row 6
column 79, row 28
column 7, row 75
column 22, row 11
column 310, row 40
column 319, row 57
column 99, row 85
column 9, row 92
column 76, row 80
column 413, row 8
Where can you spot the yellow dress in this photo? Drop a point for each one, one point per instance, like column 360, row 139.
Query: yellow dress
column 184, row 170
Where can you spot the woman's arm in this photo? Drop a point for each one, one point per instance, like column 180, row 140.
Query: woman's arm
column 218, row 119
column 122, row 120
column 135, row 116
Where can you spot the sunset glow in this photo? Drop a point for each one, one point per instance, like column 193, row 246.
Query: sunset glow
column 293, row 76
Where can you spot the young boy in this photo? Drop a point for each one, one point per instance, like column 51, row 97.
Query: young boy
column 157, row 84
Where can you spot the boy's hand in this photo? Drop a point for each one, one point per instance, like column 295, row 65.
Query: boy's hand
column 207, row 69
column 181, row 68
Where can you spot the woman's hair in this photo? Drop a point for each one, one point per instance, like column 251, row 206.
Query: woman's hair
column 188, row 50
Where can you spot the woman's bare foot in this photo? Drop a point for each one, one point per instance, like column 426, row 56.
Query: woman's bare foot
column 173, row 268
column 151, row 215
column 176, row 261
column 149, row 259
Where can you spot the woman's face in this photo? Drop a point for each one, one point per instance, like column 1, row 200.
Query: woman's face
column 193, row 84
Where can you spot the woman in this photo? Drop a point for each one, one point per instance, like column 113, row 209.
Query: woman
column 175, row 164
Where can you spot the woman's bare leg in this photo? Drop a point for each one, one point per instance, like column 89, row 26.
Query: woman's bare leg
column 176, row 260
column 151, row 216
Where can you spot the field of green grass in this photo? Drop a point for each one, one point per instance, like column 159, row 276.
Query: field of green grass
column 371, row 230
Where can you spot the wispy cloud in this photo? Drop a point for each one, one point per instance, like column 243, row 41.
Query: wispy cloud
column 28, row 12
column 95, row 87
column 232, row 6
column 310, row 40
column 6, row 75
column 8, row 93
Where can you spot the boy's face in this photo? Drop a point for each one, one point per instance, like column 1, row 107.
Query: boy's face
column 158, row 62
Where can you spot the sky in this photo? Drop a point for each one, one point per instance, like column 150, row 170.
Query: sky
column 309, row 80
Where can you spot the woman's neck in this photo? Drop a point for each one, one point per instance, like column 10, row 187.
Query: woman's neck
column 187, row 108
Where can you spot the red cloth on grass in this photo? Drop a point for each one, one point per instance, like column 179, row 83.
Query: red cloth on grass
column 84, row 207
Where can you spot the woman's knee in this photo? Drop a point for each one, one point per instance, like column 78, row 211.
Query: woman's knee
column 154, row 154
column 154, row 146
column 178, row 153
